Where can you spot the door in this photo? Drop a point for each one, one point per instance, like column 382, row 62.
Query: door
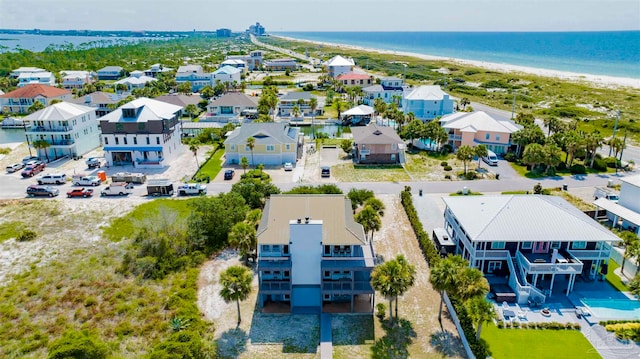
column 540, row 247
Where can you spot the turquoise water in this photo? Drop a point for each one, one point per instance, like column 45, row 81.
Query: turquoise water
column 11, row 136
column 613, row 308
column 613, row 53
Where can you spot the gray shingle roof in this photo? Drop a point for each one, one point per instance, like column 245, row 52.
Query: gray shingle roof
column 264, row 133
column 518, row 218
column 373, row 134
column 235, row 99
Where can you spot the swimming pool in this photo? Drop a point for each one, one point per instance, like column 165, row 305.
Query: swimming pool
column 613, row 308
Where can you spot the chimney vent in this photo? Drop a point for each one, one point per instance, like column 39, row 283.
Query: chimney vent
column 299, row 220
column 306, row 220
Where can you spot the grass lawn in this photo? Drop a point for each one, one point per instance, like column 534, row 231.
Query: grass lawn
column 347, row 172
column 537, row 344
column 212, row 166
column 614, row 279
column 525, row 172
column 125, row 226
column 11, row 229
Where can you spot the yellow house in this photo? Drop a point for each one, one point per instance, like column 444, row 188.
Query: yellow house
column 475, row 128
column 275, row 144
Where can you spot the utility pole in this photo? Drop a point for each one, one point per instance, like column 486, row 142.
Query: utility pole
column 615, row 128
column 513, row 107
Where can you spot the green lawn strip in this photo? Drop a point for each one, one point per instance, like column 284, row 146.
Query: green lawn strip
column 525, row 172
column 10, row 229
column 614, row 279
column 125, row 226
column 537, row 344
column 212, row 166
column 347, row 172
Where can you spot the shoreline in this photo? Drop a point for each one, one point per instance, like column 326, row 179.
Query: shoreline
column 598, row 80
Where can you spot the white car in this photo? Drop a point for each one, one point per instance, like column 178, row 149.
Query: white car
column 87, row 181
column 288, row 166
column 14, row 167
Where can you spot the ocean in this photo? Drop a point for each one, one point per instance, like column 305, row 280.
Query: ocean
column 9, row 42
column 611, row 53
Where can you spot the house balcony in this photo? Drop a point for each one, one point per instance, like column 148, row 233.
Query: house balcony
column 274, row 263
column 275, row 287
column 492, row 255
column 455, row 137
column 594, row 254
column 346, row 263
column 346, row 287
column 541, row 263
column 61, row 143
column 47, row 129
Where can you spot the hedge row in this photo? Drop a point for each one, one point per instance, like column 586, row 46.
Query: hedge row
column 625, row 330
column 607, row 322
column 542, row 325
column 480, row 348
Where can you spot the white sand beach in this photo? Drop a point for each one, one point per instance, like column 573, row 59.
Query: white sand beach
column 598, row 80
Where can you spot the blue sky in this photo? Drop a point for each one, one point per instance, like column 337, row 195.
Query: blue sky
column 326, row 15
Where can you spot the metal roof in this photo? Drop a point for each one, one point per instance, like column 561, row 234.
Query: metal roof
column 523, row 218
column 338, row 225
column 618, row 210
column 632, row 180
column 431, row 92
column 59, row 112
column 477, row 121
column 146, row 110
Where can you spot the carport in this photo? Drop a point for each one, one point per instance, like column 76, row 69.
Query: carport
column 615, row 212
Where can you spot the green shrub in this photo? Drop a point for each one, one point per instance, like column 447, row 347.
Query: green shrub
column 26, row 235
column 444, row 164
column 471, row 175
column 75, row 344
column 516, row 325
column 500, row 324
column 610, row 162
column 600, row 164
column 5, row 150
column 448, row 168
column 381, row 310
column 511, row 156
column 625, row 330
column 578, row 169
column 447, row 176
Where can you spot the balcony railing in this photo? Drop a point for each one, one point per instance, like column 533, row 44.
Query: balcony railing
column 346, row 263
column 274, row 262
column 61, row 142
column 347, row 286
column 590, row 254
column 455, row 137
column 492, row 254
column 548, row 268
column 275, row 286
column 50, row 129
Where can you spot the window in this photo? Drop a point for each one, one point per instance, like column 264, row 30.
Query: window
column 286, row 297
column 288, row 146
column 287, row 274
column 286, row 249
column 106, row 140
column 119, row 127
column 124, row 140
column 117, row 141
column 497, row 245
column 158, row 140
column 271, row 148
column 327, row 250
column 494, row 265
column 487, row 136
column 233, row 147
column 527, row 245
column 247, row 149
column 327, row 274
column 148, row 141
column 579, row 245
column 266, row 247
column 497, row 137
column 135, row 140
column 555, row 245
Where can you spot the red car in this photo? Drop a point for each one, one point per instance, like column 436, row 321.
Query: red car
column 80, row 192
column 33, row 169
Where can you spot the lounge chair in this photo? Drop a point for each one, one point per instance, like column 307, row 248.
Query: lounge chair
column 522, row 314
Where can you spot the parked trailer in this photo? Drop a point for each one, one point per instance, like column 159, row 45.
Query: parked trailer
column 129, row 177
column 159, row 187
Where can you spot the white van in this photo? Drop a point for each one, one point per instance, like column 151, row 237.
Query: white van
column 491, row 159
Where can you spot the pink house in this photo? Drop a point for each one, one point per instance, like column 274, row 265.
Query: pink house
column 475, row 128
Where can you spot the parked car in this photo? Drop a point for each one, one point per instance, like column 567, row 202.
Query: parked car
column 601, row 192
column 192, row 189
column 87, row 181
column 29, row 158
column 491, row 159
column 32, row 170
column 117, row 189
column 228, row 174
column 15, row 167
column 44, row 191
column 80, row 192
column 288, row 166
column 93, row 162
column 52, row 178
column 325, row 171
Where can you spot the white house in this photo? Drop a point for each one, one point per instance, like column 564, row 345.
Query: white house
column 157, row 69
column 389, row 89
column 226, row 74
column 110, row 73
column 36, row 78
column 21, row 70
column 70, row 129
column 195, row 76
column 144, row 133
column 339, row 65
column 137, row 80
column 253, row 61
column 76, row 79
column 427, row 102
column 626, row 213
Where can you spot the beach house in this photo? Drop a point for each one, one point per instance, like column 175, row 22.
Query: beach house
column 19, row 100
column 69, row 129
column 102, row 102
column 339, row 65
column 539, row 245
column 36, row 78
column 21, row 70
column 625, row 214
column 156, row 69
column 232, row 105
column 354, row 79
column 252, row 61
column 144, row 133
column 389, row 89
column 76, row 79
column 427, row 102
column 313, row 256
column 301, row 99
column 281, row 64
column 195, row 76
column 137, row 80
column 227, row 75
column 110, row 73
column 475, row 128
column 375, row 144
column 276, row 143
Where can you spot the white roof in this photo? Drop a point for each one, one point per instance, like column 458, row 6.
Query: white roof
column 28, row 69
column 339, row 61
column 361, row 110
column 618, row 210
column 230, row 70
column 233, row 62
column 431, row 92
column 59, row 112
column 632, row 180
column 477, row 121
column 31, row 75
column 133, row 80
column 148, row 110
column 525, row 218
column 190, row 69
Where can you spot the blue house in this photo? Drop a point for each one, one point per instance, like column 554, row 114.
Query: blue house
column 427, row 102
column 195, row 76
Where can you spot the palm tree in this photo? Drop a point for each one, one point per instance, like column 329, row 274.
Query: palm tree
column 481, row 151
column 37, row 105
column 339, row 104
column 630, row 241
column 480, row 312
column 443, row 277
column 592, row 141
column 407, row 279
column 243, row 237
column 617, row 145
column 192, row 110
column 533, row 155
column 379, row 106
column 551, row 155
column 244, row 162
column 236, row 285
column 251, row 143
column 370, row 220
column 193, row 147
column 376, row 204
column 41, row 145
column 382, row 280
column 295, row 112
column 465, row 154
column 313, row 103
column 573, row 142
column 470, row 283
column 464, row 102
column 253, row 217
